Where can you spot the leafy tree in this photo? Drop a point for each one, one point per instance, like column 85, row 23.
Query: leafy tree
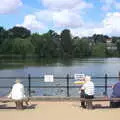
column 81, row 47
column 19, row 32
column 3, row 34
column 98, row 38
column 55, row 37
column 118, row 46
column 38, row 43
column 19, row 40
column 66, row 42
column 44, row 45
column 99, row 50
column 50, row 46
column 115, row 39
column 6, row 46
column 22, row 47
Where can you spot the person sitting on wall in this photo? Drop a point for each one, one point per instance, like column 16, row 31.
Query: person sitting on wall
column 17, row 93
column 87, row 90
column 115, row 94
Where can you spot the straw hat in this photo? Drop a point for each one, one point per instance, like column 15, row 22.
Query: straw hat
column 17, row 81
column 87, row 78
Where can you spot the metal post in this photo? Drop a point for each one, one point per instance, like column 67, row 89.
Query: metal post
column 29, row 85
column 106, row 77
column 119, row 76
column 68, row 85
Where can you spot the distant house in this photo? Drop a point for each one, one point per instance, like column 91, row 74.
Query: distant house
column 109, row 40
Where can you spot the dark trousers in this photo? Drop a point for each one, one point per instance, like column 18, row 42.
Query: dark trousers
column 114, row 104
column 83, row 95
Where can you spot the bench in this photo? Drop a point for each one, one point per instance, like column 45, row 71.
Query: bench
column 89, row 101
column 19, row 103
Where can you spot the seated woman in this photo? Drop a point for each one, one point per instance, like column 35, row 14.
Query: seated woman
column 17, row 93
column 115, row 94
column 87, row 90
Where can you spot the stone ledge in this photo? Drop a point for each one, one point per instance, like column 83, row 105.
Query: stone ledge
column 54, row 98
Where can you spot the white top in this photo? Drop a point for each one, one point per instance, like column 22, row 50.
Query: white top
column 88, row 87
column 17, row 92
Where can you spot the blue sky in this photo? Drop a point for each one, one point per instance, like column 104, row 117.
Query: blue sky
column 82, row 17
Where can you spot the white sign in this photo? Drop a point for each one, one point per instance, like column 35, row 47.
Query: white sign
column 48, row 78
column 79, row 76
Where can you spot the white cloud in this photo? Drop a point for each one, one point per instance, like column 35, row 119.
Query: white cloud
column 31, row 22
column 67, row 19
column 65, row 13
column 65, row 4
column 109, row 4
column 73, row 21
column 44, row 15
column 117, row 5
column 58, row 14
column 110, row 25
column 60, row 19
column 8, row 6
column 57, row 19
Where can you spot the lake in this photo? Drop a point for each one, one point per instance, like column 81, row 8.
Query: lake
column 95, row 67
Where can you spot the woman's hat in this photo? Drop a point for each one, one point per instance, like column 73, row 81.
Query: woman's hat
column 87, row 78
column 17, row 81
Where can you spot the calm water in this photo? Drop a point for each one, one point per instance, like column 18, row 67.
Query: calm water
column 92, row 66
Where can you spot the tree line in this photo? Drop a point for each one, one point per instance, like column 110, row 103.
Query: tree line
column 20, row 41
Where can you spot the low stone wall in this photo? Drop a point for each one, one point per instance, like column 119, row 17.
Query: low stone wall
column 54, row 98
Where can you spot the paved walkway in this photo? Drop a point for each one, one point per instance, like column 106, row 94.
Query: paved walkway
column 58, row 111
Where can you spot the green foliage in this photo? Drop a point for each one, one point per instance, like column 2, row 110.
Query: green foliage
column 115, row 39
column 99, row 50
column 17, row 46
column 44, row 45
column 3, row 34
column 66, row 42
column 118, row 46
column 98, row 38
column 6, row 46
column 20, row 41
column 19, row 32
column 81, row 48
column 111, row 53
column 22, row 46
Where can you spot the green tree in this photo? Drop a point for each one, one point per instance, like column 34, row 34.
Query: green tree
column 66, row 42
column 3, row 34
column 115, row 39
column 19, row 32
column 98, row 50
column 22, row 47
column 81, row 47
column 118, row 46
column 6, row 46
column 45, row 45
column 99, row 38
column 50, row 45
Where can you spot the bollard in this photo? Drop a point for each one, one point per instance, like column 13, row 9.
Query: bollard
column 106, row 77
column 29, row 85
column 119, row 75
column 68, row 85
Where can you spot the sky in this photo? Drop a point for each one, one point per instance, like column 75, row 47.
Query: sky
column 82, row 17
